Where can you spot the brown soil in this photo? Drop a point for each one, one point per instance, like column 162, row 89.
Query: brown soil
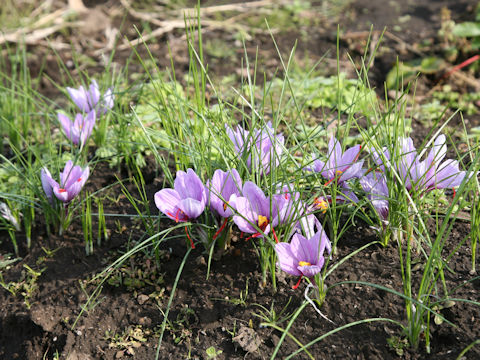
column 207, row 313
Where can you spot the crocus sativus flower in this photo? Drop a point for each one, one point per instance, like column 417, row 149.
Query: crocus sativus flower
column 72, row 180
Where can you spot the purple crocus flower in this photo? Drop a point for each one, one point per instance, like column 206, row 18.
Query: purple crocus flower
column 261, row 148
column 340, row 166
column 223, row 188
column 88, row 100
column 425, row 175
column 186, row 200
column 375, row 186
column 255, row 211
column 79, row 130
column 72, row 180
column 302, row 256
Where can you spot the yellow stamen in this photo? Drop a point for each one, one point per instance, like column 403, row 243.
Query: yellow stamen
column 262, row 221
column 321, row 204
column 304, row 263
column 338, row 173
column 225, row 205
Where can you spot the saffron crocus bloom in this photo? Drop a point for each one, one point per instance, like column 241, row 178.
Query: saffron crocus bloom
column 255, row 211
column 72, row 180
column 340, row 166
column 425, row 175
column 222, row 190
column 88, row 100
column 303, row 256
column 260, row 148
column 186, row 200
column 79, row 130
column 375, row 186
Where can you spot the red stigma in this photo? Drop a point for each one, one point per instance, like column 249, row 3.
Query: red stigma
column 295, row 287
column 177, row 215
column 189, row 238
column 62, row 190
column 220, row 230
column 79, row 179
column 274, row 235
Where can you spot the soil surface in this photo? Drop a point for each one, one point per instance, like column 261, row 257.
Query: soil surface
column 124, row 319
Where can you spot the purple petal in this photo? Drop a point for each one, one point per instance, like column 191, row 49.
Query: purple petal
column 80, row 98
column 221, row 189
column 191, row 207
column 246, row 217
column 349, row 158
column 311, row 270
column 61, row 194
column 189, row 185
column 438, row 151
column 334, row 153
column 66, row 172
column 301, row 248
column 449, row 175
column 48, row 183
column 93, row 95
column 167, row 201
column 258, row 202
column 67, row 126
column 320, row 167
column 72, row 175
column 354, row 171
column 286, row 259
column 325, row 243
column 87, row 128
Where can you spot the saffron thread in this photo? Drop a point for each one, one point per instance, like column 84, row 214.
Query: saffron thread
column 221, row 228
column 189, row 238
column 295, row 287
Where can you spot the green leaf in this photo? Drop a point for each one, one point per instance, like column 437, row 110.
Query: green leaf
column 407, row 71
column 466, row 29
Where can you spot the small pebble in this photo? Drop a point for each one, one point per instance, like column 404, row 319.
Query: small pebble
column 142, row 299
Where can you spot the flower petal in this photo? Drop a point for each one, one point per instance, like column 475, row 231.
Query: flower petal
column 191, row 207
column 167, row 201
column 311, row 270
column 286, row 259
column 245, row 217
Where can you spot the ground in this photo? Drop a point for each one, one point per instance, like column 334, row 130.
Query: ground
column 54, row 278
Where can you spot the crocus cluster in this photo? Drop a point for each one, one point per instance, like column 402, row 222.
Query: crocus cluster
column 258, row 214
column 251, row 210
column 422, row 175
column 414, row 173
column 91, row 105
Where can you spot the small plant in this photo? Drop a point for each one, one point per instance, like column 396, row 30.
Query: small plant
column 212, row 353
column 128, row 340
column 271, row 316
